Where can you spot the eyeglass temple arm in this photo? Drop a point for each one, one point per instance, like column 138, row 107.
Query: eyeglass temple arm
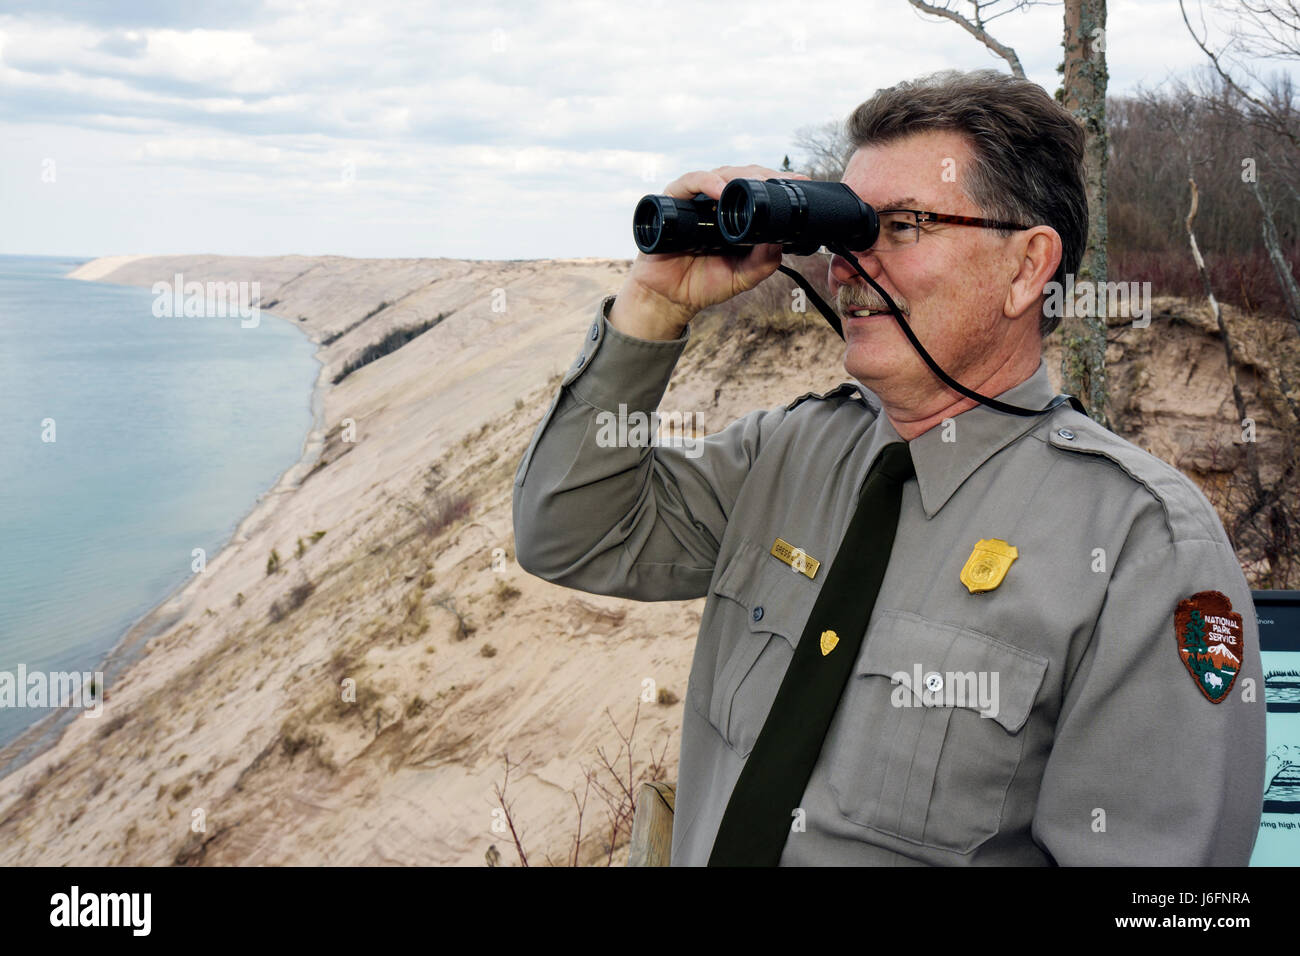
column 831, row 317
column 922, row 216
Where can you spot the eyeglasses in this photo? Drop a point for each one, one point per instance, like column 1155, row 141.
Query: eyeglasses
column 901, row 228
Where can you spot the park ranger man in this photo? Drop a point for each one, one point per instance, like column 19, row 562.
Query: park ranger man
column 935, row 633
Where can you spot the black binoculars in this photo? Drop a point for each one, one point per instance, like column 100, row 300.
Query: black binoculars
column 802, row 215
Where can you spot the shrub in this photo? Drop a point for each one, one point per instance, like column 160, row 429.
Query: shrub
column 376, row 310
column 391, row 342
column 1243, row 279
column 333, row 337
column 463, row 628
column 438, row 512
column 291, row 601
column 295, row 740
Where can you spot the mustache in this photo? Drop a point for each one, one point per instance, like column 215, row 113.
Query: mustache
column 847, row 299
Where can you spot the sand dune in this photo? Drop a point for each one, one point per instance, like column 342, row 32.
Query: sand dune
column 240, row 717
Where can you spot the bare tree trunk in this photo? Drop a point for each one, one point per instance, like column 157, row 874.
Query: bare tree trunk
column 1280, row 525
column 1286, row 281
column 1252, row 462
column 1083, row 338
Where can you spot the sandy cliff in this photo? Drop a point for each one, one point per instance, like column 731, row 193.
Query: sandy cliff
column 233, row 714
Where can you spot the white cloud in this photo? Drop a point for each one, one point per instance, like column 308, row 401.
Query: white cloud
column 519, row 130
column 207, row 150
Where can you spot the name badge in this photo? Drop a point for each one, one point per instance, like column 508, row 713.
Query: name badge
column 798, row 559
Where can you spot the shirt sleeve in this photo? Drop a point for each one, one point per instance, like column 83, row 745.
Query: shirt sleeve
column 600, row 507
column 1145, row 769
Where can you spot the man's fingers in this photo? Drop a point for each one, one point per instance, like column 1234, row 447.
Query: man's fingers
column 768, row 254
column 755, row 172
column 699, row 181
column 712, row 182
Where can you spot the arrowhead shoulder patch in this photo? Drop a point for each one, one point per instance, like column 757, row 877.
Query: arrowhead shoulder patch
column 1211, row 642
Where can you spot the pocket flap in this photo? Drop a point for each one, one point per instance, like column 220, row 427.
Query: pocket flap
column 973, row 670
column 778, row 598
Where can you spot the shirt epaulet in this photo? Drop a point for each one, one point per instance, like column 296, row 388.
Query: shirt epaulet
column 1187, row 511
column 845, row 390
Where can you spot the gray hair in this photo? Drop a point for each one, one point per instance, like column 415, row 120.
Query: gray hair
column 1028, row 150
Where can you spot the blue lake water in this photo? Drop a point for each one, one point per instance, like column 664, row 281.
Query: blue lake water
column 166, row 432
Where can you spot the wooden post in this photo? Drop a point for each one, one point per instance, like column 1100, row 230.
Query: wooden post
column 652, row 825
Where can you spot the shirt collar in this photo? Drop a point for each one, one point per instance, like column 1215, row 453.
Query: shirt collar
column 974, row 436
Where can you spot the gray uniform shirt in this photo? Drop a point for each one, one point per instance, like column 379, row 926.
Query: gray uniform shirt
column 1048, row 720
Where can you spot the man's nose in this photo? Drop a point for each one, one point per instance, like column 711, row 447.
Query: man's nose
column 843, row 273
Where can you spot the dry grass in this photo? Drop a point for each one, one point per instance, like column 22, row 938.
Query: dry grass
column 616, row 781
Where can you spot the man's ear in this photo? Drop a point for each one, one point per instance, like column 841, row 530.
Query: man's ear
column 1038, row 253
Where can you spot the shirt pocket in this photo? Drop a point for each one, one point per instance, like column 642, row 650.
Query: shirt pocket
column 767, row 607
column 925, row 764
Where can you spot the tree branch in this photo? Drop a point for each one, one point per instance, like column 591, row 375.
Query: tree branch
column 976, row 29
column 1277, row 123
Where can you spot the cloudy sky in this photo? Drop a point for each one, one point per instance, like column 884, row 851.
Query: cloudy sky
column 481, row 130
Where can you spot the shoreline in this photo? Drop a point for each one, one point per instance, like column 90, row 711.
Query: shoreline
column 456, row 654
column 45, row 733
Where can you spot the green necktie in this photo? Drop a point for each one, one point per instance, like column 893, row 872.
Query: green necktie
column 771, row 784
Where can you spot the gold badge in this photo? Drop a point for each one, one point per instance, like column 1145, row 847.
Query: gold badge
column 829, row 640
column 797, row 558
column 988, row 564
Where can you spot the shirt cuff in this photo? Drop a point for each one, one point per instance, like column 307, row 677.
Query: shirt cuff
column 615, row 369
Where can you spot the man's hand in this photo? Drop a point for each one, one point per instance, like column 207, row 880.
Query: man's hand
column 663, row 293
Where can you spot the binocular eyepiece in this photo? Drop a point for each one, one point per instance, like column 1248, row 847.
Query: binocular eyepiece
column 802, row 215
